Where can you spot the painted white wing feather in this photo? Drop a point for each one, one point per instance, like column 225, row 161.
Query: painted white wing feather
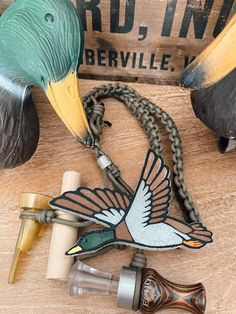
column 152, row 197
column 112, row 216
column 103, row 206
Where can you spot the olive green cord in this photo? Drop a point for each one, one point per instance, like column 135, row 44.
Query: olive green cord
column 148, row 114
column 49, row 216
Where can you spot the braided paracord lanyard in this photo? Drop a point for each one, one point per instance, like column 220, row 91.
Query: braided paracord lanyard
column 148, row 114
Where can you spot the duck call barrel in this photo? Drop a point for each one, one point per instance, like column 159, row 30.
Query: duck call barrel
column 29, row 229
column 86, row 280
column 158, row 293
column 63, row 237
column 137, row 289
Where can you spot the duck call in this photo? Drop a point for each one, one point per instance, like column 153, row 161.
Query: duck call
column 29, row 229
column 138, row 288
column 59, row 265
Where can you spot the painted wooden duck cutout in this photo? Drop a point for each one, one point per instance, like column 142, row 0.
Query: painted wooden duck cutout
column 213, row 74
column 141, row 222
column 41, row 43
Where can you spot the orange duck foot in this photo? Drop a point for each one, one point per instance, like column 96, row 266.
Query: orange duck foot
column 193, row 244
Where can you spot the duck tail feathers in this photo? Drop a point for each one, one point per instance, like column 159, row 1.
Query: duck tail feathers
column 201, row 233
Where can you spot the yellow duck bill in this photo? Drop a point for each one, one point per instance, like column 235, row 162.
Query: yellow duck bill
column 215, row 62
column 74, row 250
column 65, row 99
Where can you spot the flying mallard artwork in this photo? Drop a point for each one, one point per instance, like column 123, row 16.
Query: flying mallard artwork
column 141, row 221
column 41, row 44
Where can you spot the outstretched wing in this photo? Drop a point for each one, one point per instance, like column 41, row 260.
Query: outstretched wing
column 103, row 206
column 153, row 194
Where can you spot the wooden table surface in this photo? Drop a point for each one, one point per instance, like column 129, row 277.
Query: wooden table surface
column 210, row 178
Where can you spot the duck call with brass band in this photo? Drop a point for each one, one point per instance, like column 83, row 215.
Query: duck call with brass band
column 29, row 229
column 138, row 288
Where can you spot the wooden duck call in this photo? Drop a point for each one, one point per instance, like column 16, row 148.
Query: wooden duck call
column 158, row 293
column 63, row 237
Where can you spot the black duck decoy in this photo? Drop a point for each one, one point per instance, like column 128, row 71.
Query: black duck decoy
column 213, row 74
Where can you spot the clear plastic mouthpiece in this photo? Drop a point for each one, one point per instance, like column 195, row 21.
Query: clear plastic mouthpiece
column 84, row 279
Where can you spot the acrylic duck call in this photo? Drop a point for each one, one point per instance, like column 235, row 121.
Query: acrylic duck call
column 138, row 288
column 29, row 229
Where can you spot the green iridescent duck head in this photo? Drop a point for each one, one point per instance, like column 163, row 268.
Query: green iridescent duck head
column 41, row 44
column 92, row 242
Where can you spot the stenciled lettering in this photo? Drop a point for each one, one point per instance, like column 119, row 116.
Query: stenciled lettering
column 115, row 17
column 83, row 6
column 169, row 18
column 223, row 17
column 188, row 60
column 199, row 15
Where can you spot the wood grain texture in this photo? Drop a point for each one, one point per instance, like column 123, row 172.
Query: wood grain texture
column 159, row 40
column 210, row 178
column 141, row 60
column 158, row 293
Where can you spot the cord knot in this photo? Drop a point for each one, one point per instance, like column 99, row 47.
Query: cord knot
column 139, row 260
column 96, row 121
column 45, row 216
column 115, row 171
column 99, row 110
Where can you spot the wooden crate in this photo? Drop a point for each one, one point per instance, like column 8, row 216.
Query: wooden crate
column 147, row 40
column 143, row 40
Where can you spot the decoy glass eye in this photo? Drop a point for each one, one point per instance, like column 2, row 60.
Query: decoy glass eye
column 49, row 18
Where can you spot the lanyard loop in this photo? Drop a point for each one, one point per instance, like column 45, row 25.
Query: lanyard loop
column 148, row 114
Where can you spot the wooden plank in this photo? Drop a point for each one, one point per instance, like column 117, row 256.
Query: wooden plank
column 159, row 38
column 142, row 40
column 210, row 178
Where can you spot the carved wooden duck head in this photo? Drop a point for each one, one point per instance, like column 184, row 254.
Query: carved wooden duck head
column 213, row 74
column 41, row 43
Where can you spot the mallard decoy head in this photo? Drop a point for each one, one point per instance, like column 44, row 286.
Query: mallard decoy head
column 41, row 43
column 212, row 74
